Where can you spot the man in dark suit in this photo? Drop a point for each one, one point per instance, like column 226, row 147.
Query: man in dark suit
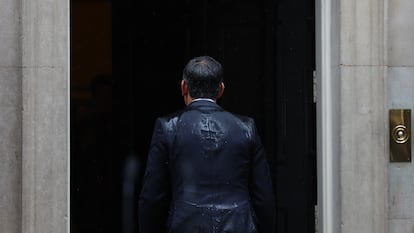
column 206, row 170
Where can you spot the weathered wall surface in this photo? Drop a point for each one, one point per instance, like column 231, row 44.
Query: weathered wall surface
column 34, row 119
column 45, row 128
column 363, row 158
column 10, row 117
column 401, row 95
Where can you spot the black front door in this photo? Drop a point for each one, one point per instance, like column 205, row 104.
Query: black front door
column 267, row 50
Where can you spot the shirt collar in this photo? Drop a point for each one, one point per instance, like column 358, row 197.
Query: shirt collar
column 207, row 99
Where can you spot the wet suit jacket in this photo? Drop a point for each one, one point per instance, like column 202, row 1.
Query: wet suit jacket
column 206, row 172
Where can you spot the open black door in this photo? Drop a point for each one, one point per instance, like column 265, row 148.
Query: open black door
column 295, row 131
column 267, row 50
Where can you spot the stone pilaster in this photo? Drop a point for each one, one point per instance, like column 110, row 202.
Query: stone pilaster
column 363, row 147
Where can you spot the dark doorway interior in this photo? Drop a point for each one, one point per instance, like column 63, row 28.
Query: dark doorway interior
column 127, row 58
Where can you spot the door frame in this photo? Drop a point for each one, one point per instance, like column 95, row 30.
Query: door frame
column 327, row 114
column 328, row 99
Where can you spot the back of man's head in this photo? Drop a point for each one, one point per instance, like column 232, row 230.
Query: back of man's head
column 203, row 76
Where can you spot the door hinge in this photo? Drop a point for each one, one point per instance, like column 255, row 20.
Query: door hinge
column 314, row 87
column 316, row 219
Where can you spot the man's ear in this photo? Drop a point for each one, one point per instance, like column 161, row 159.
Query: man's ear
column 221, row 90
column 184, row 88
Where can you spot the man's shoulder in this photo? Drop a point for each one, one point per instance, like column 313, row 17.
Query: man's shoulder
column 243, row 118
column 170, row 118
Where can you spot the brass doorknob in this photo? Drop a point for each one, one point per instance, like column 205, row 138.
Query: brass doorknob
column 400, row 134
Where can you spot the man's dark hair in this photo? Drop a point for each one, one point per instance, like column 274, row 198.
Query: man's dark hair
column 203, row 76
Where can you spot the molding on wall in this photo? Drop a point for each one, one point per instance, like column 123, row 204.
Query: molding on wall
column 327, row 42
